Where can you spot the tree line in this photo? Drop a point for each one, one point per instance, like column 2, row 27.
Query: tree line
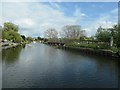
column 111, row 35
column 75, row 32
column 69, row 33
column 10, row 32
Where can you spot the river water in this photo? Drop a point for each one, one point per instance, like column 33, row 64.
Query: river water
column 40, row 66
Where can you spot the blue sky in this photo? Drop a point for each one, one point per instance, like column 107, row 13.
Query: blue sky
column 36, row 17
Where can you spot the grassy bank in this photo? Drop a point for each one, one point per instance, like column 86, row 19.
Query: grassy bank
column 94, row 46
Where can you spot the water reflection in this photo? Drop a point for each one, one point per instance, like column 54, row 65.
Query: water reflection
column 119, row 74
column 38, row 65
column 102, row 63
column 11, row 55
column 0, row 69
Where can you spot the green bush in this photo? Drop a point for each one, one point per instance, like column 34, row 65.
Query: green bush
column 83, row 45
column 89, row 45
column 114, row 49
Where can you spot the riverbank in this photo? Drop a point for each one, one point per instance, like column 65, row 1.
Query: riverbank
column 102, row 52
column 9, row 44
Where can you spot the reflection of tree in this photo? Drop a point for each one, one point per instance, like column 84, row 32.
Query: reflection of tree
column 11, row 55
column 0, row 57
column 24, row 45
column 102, row 63
column 118, row 75
column 108, row 66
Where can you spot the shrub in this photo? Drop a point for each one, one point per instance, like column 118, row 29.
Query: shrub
column 114, row 49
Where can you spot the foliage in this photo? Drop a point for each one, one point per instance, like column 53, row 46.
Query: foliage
column 12, row 36
column 89, row 45
column 23, row 37
column 39, row 38
column 116, row 35
column 86, row 38
column 29, row 39
column 8, row 26
column 109, row 35
column 103, row 35
column 68, row 40
column 10, row 32
column 114, row 49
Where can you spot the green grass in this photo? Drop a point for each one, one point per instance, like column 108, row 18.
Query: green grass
column 90, row 45
column 93, row 46
column 82, row 45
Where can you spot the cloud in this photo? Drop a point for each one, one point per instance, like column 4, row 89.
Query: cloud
column 106, row 20
column 35, row 18
column 0, row 13
column 78, row 12
column 26, row 23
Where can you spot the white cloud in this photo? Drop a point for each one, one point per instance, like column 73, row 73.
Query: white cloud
column 106, row 20
column 25, row 22
column 0, row 13
column 35, row 18
column 78, row 12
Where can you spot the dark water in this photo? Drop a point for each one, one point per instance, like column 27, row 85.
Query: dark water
column 38, row 66
column 0, row 69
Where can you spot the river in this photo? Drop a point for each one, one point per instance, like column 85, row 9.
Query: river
column 41, row 66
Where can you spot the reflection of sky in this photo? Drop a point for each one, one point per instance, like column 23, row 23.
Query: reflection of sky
column 35, row 18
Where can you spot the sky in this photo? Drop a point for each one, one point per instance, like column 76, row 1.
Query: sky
column 34, row 18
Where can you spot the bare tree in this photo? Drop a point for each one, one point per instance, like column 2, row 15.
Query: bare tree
column 51, row 34
column 72, row 31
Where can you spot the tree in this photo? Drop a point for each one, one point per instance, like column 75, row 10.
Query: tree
column 14, row 36
column 103, row 35
column 72, row 31
column 39, row 38
column 116, row 35
column 10, row 26
column 112, row 33
column 23, row 37
column 51, row 34
column 29, row 39
column 10, row 32
column 4, row 34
